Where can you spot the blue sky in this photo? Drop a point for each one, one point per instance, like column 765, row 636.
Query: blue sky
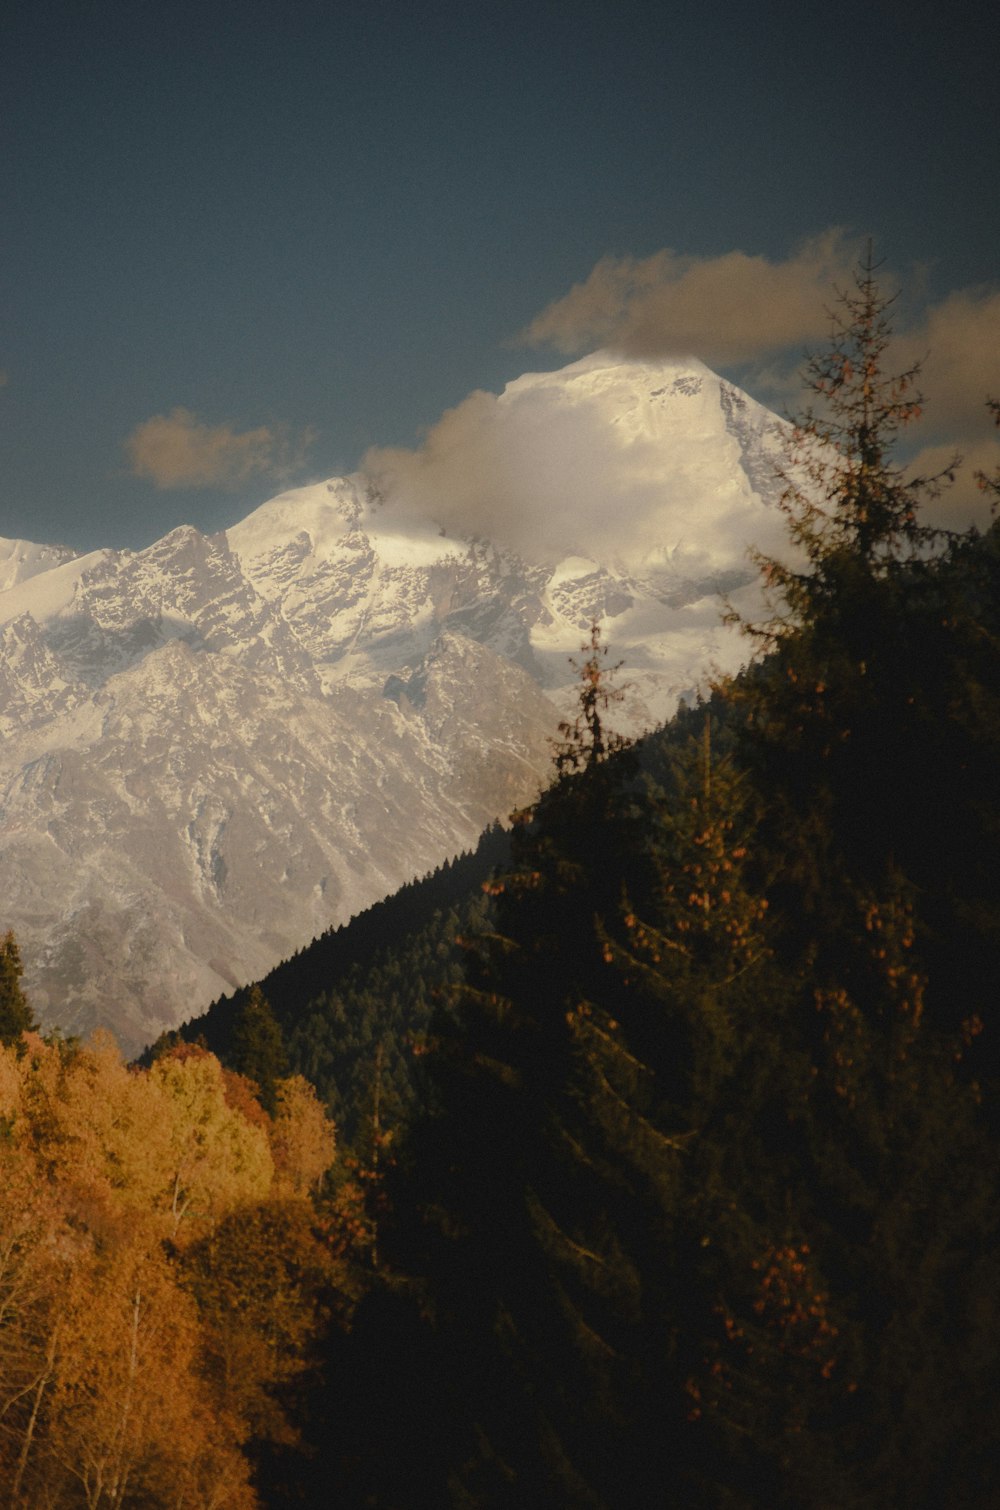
column 244, row 242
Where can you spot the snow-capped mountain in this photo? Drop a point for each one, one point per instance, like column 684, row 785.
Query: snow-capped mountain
column 21, row 559
column 217, row 747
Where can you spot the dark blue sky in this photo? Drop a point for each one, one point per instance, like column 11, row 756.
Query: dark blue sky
column 321, row 224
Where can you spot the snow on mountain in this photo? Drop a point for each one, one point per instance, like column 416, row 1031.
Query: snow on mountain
column 21, row 559
column 217, row 747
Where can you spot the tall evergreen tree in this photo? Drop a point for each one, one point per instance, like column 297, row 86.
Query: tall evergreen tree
column 869, row 731
column 486, row 1170
column 875, row 717
column 15, row 1013
column 257, row 1048
column 579, row 1077
column 587, row 739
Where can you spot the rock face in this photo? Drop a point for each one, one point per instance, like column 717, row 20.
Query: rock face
column 217, row 747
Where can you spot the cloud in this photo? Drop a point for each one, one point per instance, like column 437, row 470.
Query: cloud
column 964, row 502
column 760, row 317
column 729, row 309
column 4, row 378
column 958, row 343
column 547, row 469
column 177, row 450
column 541, row 468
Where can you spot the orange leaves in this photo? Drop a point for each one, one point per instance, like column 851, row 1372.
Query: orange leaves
column 115, row 1400
column 779, row 1327
column 260, row 1282
column 969, row 1030
column 793, row 1305
column 302, row 1137
column 211, row 1159
column 890, row 924
column 106, row 1345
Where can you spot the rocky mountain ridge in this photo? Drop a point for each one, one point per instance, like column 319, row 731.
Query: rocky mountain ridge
column 215, row 748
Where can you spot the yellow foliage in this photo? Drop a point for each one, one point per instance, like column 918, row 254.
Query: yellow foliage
column 215, row 1160
column 110, row 1388
column 10, row 1084
column 303, row 1143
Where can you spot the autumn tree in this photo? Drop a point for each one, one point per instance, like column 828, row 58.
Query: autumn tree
column 107, row 1403
column 34, row 1268
column 302, row 1137
column 128, row 1391
column 264, row 1283
column 215, row 1160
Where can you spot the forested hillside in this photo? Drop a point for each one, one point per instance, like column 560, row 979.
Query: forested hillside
column 703, row 1211
column 352, row 1011
column 670, row 1118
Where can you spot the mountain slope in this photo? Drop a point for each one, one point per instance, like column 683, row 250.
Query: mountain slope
column 217, row 747
column 21, row 559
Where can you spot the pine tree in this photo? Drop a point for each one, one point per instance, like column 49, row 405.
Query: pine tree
column 675, row 1057
column 839, row 659
column 257, row 1048
column 869, row 731
column 848, row 505
column 586, row 739
column 876, row 702
column 581, row 1083
column 704, row 1214
column 487, row 1172
column 15, row 1014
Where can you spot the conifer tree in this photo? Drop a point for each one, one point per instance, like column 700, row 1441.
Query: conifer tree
column 586, row 739
column 579, row 1083
column 257, row 1048
column 877, row 698
column 864, row 725
column 489, row 1170
column 15, row 1014
column 705, row 1211
column 670, row 1054
column 839, row 671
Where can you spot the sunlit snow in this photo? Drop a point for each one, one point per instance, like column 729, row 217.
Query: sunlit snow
column 219, row 746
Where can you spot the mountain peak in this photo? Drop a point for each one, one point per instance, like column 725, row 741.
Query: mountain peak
column 220, row 745
column 605, row 457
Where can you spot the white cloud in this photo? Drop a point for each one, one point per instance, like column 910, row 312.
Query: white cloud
column 759, row 318
column 728, row 309
column 528, row 467
column 548, row 469
column 177, row 450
